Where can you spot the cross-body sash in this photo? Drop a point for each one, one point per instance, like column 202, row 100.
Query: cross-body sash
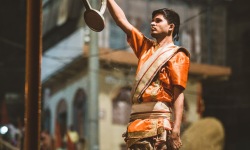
column 149, row 69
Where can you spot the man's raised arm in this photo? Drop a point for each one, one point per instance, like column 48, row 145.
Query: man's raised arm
column 119, row 17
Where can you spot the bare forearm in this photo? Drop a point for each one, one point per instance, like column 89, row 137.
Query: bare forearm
column 116, row 11
column 119, row 16
column 178, row 111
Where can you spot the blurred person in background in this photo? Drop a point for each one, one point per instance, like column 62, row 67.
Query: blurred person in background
column 71, row 138
column 46, row 141
column 161, row 76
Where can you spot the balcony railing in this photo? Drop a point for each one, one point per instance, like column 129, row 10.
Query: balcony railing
column 6, row 146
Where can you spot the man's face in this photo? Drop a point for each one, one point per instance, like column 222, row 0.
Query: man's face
column 160, row 26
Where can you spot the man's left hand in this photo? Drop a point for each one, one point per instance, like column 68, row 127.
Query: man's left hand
column 175, row 140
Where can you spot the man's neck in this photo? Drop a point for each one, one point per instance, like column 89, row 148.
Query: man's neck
column 164, row 41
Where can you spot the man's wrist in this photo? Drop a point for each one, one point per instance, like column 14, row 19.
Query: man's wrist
column 176, row 129
column 177, row 126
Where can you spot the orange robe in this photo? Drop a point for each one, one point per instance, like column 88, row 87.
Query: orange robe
column 173, row 73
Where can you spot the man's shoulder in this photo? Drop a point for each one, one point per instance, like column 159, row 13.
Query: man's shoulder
column 135, row 31
column 180, row 54
column 183, row 50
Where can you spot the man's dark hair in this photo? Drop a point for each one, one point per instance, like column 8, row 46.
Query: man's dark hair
column 172, row 17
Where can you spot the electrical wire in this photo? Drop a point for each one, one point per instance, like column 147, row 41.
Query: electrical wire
column 11, row 43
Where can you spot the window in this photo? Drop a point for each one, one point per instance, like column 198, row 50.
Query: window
column 122, row 106
column 47, row 120
column 79, row 111
column 61, row 120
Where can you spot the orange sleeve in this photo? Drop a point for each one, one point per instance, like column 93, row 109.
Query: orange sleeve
column 137, row 41
column 178, row 67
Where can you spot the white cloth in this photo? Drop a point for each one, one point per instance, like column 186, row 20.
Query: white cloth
column 150, row 106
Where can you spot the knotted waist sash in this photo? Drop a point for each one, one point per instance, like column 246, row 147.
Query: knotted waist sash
column 146, row 125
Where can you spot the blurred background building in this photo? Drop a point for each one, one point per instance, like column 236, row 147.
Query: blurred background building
column 215, row 31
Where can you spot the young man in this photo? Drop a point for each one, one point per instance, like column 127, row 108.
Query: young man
column 157, row 94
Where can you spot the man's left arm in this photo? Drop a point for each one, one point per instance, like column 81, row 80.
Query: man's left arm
column 178, row 67
column 178, row 111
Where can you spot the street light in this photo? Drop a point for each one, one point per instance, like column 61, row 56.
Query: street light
column 4, row 130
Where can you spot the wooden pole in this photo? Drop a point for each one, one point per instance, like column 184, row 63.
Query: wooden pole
column 33, row 75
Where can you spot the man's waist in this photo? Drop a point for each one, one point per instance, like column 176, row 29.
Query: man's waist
column 151, row 107
column 150, row 115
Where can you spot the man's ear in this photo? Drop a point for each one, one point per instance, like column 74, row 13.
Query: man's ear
column 171, row 27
